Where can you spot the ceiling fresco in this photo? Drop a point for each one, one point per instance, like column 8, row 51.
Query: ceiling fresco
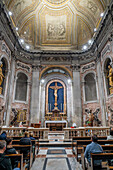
column 56, row 24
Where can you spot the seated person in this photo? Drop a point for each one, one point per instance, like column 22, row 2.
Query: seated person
column 25, row 141
column 3, row 135
column 93, row 147
column 31, row 136
column 5, row 162
column 110, row 137
column 11, row 150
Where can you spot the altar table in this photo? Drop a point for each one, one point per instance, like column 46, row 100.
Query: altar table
column 55, row 125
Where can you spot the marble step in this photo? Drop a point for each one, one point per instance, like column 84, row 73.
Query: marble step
column 55, row 144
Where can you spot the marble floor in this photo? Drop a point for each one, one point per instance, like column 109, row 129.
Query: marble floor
column 55, row 158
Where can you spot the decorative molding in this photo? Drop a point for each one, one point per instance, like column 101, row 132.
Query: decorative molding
column 88, row 66
column 60, row 59
column 36, row 67
column 106, row 50
column 5, row 49
column 75, row 67
column 23, row 66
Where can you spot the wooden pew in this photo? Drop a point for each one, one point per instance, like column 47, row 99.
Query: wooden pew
column 106, row 148
column 29, row 148
column 101, row 156
column 79, row 143
column 19, row 158
column 86, row 142
column 87, row 138
column 19, row 137
column 34, row 144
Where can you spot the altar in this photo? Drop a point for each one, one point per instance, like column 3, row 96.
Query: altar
column 56, row 125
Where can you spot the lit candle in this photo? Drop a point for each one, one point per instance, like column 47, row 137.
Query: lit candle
column 50, row 107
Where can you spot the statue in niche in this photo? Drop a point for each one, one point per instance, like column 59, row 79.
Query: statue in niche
column 110, row 75
column 1, row 78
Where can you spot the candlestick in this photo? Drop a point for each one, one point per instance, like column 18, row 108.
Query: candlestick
column 50, row 107
column 61, row 107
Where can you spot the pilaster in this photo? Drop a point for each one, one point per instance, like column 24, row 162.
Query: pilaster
column 77, row 107
column 34, row 113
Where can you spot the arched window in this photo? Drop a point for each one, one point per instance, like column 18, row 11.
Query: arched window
column 21, row 87
column 90, row 87
column 106, row 73
column 4, row 73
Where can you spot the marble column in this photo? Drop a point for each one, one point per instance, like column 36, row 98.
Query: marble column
column 34, row 111
column 101, row 93
column 10, row 91
column 77, row 106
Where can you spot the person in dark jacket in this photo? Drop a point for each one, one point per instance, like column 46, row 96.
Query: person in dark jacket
column 11, row 150
column 5, row 162
column 3, row 135
column 25, row 141
column 93, row 147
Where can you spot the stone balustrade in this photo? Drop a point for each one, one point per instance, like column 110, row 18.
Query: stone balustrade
column 86, row 131
column 17, row 131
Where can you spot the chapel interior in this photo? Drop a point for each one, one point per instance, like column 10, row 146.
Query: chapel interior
column 56, row 72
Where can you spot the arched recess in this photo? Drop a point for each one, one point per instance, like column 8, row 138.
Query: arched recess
column 61, row 95
column 90, row 87
column 5, row 72
column 106, row 63
column 21, row 87
column 47, row 78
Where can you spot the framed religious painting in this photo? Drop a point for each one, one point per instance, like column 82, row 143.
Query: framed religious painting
column 21, row 116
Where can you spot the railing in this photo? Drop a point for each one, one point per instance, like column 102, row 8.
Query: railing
column 17, row 131
column 86, row 131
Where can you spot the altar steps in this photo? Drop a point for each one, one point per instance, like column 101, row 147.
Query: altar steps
column 55, row 144
column 56, row 136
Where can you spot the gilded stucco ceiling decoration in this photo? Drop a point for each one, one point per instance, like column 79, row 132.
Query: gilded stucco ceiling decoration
column 56, row 2
column 56, row 24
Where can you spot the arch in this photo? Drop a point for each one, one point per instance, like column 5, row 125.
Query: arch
column 69, row 95
column 69, row 73
column 21, row 86
column 90, row 88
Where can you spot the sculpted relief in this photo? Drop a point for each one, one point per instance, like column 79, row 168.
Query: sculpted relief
column 56, row 27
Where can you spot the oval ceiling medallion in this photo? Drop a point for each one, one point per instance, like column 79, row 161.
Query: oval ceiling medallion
column 56, row 2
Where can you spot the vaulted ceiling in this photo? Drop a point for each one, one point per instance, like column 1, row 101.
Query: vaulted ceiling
column 56, row 24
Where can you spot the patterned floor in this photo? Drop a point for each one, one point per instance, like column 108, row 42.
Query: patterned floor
column 56, row 158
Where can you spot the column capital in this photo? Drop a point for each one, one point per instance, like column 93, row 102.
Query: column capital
column 75, row 67
column 36, row 67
